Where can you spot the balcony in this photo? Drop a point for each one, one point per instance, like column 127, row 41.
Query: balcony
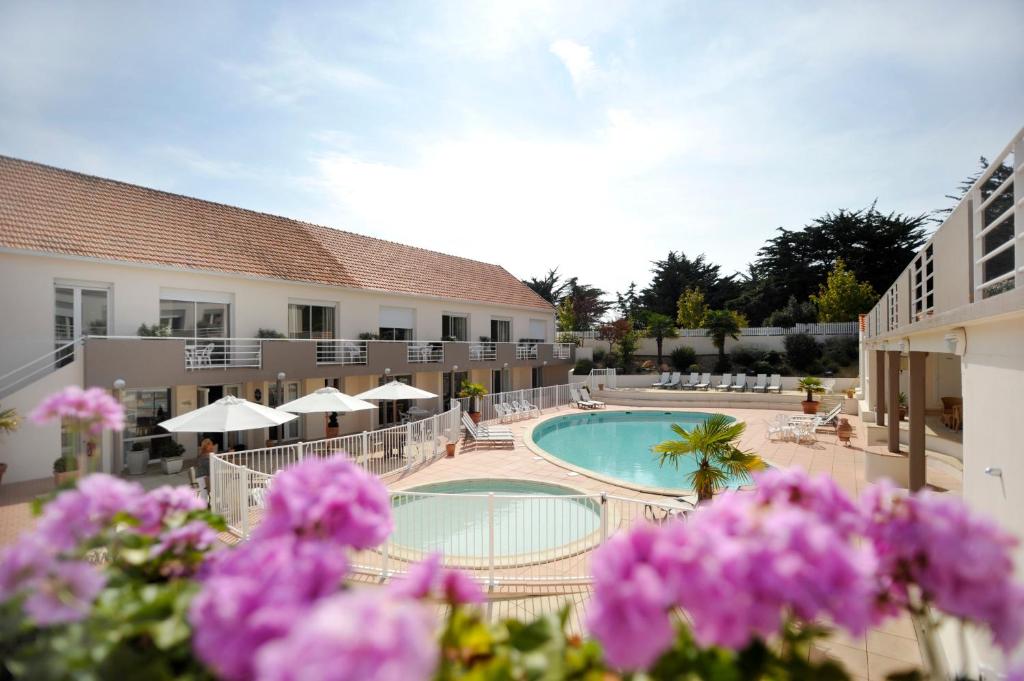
column 424, row 353
column 343, row 352
column 526, row 351
column 483, row 352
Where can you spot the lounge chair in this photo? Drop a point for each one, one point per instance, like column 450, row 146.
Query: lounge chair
column 692, row 382
column 490, row 434
column 726, row 382
column 705, row 382
column 664, row 379
column 674, row 381
column 829, row 420
column 761, row 385
column 828, row 386
column 597, row 403
column 739, row 382
column 775, row 386
column 580, row 402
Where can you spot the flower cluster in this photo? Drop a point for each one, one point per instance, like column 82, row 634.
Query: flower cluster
column 914, row 536
column 273, row 608
column 48, row 566
column 737, row 568
column 798, row 547
column 94, row 409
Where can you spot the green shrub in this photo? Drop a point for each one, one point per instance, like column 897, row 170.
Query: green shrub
column 802, row 351
column 793, row 313
column 270, row 333
column 764, row 367
column 155, row 331
column 65, row 464
column 842, row 351
column 722, row 365
column 166, row 447
column 583, row 367
column 599, row 355
column 682, row 358
column 745, row 357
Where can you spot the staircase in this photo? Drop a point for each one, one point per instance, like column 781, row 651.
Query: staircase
column 39, row 368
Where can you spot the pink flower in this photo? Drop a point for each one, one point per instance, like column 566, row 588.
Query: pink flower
column 65, row 593
column 160, row 504
column 818, row 494
column 80, row 513
column 427, row 579
column 94, row 409
column 362, row 635
column 193, row 536
column 23, row 563
column 328, row 499
column 255, row 594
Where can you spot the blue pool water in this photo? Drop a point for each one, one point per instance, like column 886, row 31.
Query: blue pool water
column 530, row 518
column 618, row 445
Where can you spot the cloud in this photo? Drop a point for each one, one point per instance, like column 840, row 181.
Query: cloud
column 576, row 58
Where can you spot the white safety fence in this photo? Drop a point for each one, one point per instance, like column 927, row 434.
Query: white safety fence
column 508, row 538
column 602, row 378
column 550, row 397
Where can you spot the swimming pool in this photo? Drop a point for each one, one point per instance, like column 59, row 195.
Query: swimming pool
column 616, row 445
column 533, row 521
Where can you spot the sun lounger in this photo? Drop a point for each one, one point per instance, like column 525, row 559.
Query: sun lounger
column 726, row 382
column 761, row 385
column 692, row 382
column 597, row 403
column 739, row 382
column 581, row 402
column 776, row 384
column 674, row 381
column 664, row 379
column 704, row 383
column 490, row 434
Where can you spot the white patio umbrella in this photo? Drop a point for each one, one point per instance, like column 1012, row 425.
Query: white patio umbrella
column 227, row 415
column 326, row 400
column 393, row 391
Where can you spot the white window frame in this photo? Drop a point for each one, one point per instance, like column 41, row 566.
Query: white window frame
column 463, row 315
column 511, row 329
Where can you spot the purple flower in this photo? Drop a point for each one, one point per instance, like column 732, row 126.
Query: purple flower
column 427, row 579
column 95, row 409
column 81, row 513
column 256, row 593
column 818, row 494
column 629, row 611
column 163, row 502
column 328, row 499
column 362, row 635
column 924, row 539
column 65, row 593
column 23, row 563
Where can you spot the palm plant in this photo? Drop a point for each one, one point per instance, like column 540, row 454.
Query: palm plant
column 713, row 445
column 721, row 323
column 811, row 385
column 8, row 420
column 659, row 327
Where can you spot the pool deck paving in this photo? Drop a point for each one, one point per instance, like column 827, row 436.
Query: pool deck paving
column 889, row 647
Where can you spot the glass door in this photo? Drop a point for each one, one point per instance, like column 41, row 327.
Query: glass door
column 78, row 311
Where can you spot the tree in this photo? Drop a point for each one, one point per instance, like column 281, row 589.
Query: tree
column 659, row 327
column 628, row 303
column 721, row 323
column 623, row 339
column 691, row 309
column 676, row 273
column 876, row 247
column 999, row 175
column 714, row 445
column 566, row 316
column 548, row 287
column 587, row 305
column 842, row 297
column 793, row 313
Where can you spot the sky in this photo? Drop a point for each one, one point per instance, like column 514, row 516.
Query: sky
column 589, row 136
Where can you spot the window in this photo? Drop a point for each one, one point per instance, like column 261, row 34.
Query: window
column 78, row 311
column 143, row 410
column 923, row 279
column 195, row 319
column 290, row 430
column 996, row 231
column 455, row 327
column 397, row 323
column 452, row 386
column 538, row 330
column 894, row 307
column 310, row 321
column 536, row 379
column 500, row 381
column 501, row 330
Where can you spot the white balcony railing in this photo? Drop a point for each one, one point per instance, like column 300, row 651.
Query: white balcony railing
column 561, row 350
column 344, row 352
column 526, row 351
column 483, row 352
column 418, row 353
column 223, row 353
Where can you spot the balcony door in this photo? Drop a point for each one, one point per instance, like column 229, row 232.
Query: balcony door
column 454, row 327
column 501, row 330
column 78, row 311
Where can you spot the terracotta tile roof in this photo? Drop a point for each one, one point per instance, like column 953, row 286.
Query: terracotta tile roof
column 47, row 209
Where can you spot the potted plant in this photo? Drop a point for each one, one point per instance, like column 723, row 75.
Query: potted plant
column 474, row 391
column 901, row 405
column 449, row 450
column 171, row 454
column 65, row 469
column 137, row 459
column 8, row 424
column 810, row 385
column 332, row 424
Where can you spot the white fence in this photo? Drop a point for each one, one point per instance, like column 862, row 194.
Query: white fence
column 602, row 378
column 550, row 397
column 822, row 329
column 507, row 538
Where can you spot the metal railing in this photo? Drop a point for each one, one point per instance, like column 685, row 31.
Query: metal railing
column 816, row 329
column 549, row 397
column 602, row 378
column 424, row 352
column 41, row 366
column 508, row 538
column 223, row 353
column 526, row 351
column 483, row 352
column 562, row 350
column 344, row 352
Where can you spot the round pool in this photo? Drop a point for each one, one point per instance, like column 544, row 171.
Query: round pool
column 616, row 445
column 532, row 521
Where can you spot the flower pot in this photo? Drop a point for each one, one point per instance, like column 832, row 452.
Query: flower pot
column 475, row 415
column 171, row 465
column 901, row 413
column 844, row 431
column 600, row 386
column 62, row 478
column 450, row 450
column 810, row 406
column 137, row 461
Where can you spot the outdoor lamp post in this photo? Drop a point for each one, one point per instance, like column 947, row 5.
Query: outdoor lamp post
column 455, row 368
column 280, row 400
column 117, row 453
